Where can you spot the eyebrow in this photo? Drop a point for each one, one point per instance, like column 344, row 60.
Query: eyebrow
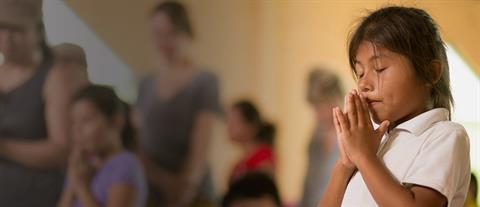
column 375, row 57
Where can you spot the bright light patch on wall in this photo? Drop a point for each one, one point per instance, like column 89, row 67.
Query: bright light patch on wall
column 104, row 66
column 465, row 86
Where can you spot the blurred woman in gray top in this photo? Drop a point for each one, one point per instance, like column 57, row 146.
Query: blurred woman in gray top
column 324, row 91
column 175, row 112
column 34, row 114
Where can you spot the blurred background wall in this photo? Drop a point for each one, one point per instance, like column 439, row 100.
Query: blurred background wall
column 263, row 50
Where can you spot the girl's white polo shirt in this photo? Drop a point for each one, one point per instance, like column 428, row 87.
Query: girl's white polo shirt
column 427, row 150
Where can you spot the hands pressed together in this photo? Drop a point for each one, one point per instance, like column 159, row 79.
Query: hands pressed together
column 357, row 138
column 80, row 170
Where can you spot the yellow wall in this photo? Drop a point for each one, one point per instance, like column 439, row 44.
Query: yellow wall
column 263, row 50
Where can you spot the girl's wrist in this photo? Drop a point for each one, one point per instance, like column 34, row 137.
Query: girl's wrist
column 343, row 169
column 81, row 188
column 364, row 159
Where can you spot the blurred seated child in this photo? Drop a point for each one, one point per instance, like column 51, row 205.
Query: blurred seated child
column 248, row 130
column 100, row 171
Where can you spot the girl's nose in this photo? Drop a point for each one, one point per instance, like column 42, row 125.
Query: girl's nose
column 364, row 85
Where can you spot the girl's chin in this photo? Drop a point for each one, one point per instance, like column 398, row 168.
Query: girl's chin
column 378, row 118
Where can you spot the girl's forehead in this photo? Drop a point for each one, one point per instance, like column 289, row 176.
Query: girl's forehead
column 84, row 106
column 369, row 53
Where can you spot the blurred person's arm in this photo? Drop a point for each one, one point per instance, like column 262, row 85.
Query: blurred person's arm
column 182, row 188
column 52, row 151
column 119, row 195
column 156, row 176
column 195, row 166
column 67, row 198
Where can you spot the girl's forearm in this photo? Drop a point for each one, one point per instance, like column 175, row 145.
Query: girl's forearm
column 86, row 198
column 385, row 189
column 336, row 187
column 67, row 198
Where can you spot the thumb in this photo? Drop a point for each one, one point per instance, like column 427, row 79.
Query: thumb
column 383, row 128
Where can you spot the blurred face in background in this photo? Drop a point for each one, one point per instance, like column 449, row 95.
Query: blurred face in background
column 19, row 43
column 239, row 130
column 92, row 130
column 323, row 111
column 167, row 39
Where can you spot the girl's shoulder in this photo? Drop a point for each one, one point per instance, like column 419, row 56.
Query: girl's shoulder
column 447, row 130
column 124, row 159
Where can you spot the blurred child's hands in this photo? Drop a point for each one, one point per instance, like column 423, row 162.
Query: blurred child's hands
column 80, row 170
column 357, row 137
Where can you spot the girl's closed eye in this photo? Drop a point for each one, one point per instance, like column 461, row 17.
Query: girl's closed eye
column 359, row 73
column 381, row 69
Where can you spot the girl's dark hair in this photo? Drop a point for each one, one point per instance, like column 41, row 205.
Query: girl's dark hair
column 252, row 185
column 128, row 131
column 266, row 131
column 178, row 15
column 266, row 134
column 412, row 33
column 108, row 103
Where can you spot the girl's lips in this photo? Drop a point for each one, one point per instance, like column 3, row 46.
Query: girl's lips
column 373, row 102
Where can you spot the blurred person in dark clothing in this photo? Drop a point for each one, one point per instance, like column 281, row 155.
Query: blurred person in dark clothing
column 34, row 109
column 175, row 113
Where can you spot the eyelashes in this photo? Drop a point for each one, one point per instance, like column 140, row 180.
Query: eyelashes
column 379, row 70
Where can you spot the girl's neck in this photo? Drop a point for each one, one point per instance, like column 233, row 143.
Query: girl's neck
column 104, row 155
column 250, row 147
column 409, row 116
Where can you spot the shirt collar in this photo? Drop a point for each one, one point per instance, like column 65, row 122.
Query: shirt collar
column 417, row 125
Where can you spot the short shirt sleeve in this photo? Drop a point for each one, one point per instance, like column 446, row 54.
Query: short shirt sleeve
column 443, row 163
column 124, row 170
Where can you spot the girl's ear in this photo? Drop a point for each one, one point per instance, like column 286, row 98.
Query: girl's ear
column 436, row 71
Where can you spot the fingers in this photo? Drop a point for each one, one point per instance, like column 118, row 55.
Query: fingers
column 366, row 111
column 342, row 120
column 360, row 110
column 382, row 128
column 335, row 122
column 351, row 109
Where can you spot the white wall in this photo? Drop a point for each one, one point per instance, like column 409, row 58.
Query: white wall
column 465, row 87
column 104, row 66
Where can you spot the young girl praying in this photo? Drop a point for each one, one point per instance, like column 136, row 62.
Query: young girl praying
column 101, row 172
column 416, row 156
